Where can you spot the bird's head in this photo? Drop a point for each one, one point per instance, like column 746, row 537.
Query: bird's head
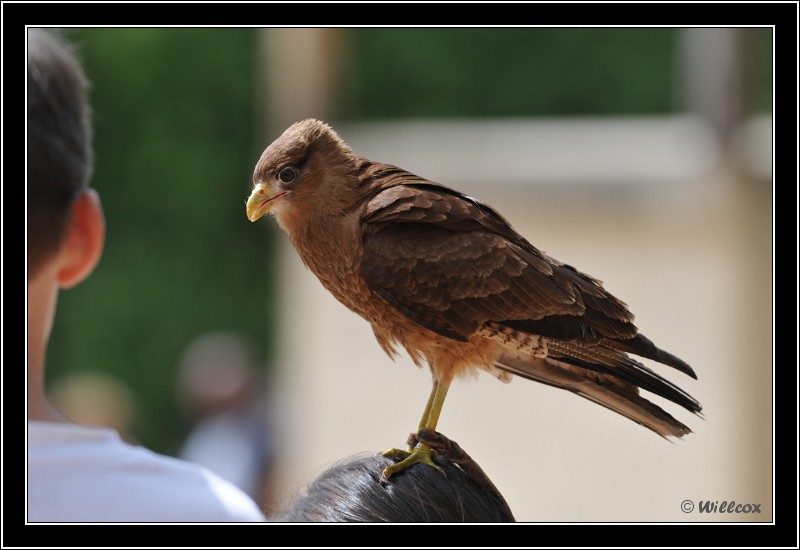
column 305, row 172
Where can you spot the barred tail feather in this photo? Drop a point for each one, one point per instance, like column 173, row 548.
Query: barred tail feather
column 620, row 398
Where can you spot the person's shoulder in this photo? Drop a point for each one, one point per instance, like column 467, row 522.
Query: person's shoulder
column 193, row 487
column 90, row 474
column 199, row 487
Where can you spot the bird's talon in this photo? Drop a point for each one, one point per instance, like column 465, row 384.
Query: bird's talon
column 397, row 454
column 420, row 455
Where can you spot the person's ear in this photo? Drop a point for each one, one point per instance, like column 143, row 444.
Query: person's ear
column 83, row 244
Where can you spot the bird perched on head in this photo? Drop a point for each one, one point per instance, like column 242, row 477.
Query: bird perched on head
column 448, row 279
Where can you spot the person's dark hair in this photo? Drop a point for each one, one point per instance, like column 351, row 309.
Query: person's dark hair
column 59, row 141
column 354, row 491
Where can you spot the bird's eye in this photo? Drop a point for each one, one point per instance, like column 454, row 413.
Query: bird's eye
column 288, row 174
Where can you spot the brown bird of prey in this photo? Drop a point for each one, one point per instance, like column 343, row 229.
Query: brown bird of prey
column 448, row 279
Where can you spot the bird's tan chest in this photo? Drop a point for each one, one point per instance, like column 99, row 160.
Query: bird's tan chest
column 333, row 252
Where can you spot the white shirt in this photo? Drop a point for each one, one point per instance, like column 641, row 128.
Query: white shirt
column 88, row 474
column 214, row 440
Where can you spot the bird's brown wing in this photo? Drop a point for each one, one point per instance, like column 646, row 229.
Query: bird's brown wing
column 455, row 266
column 433, row 250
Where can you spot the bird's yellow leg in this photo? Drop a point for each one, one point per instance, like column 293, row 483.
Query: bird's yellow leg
column 431, row 398
column 421, row 453
column 400, row 453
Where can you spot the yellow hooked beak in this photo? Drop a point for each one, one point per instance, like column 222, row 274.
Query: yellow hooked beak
column 261, row 199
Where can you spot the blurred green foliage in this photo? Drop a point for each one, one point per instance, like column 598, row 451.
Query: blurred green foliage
column 177, row 134
column 491, row 72
column 511, row 72
column 174, row 127
column 760, row 61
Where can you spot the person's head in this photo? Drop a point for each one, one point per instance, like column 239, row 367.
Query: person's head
column 353, row 491
column 64, row 217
